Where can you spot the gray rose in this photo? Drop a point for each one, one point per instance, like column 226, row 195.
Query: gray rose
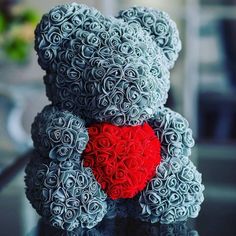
column 69, row 55
column 175, row 199
column 108, row 83
column 87, row 51
column 195, row 188
column 67, row 28
column 163, row 192
column 111, row 111
column 119, row 119
column 66, row 165
column 162, row 207
column 115, row 29
column 60, row 153
column 179, row 123
column 156, row 184
column 54, row 36
column 113, row 42
column 130, row 14
column 134, row 112
column 160, row 28
column 119, row 60
column 90, row 87
column 57, row 15
column 84, row 219
column 94, row 207
column 69, row 137
column 131, row 73
column 93, row 40
column 56, row 221
column 59, row 195
column 181, row 213
column 73, row 203
column 177, row 150
column 69, row 215
column 58, row 122
column 77, row 19
column 153, row 197
column 194, row 210
column 175, row 164
column 94, row 187
column 76, row 45
column 69, row 179
column 103, row 35
column 55, row 134
column 62, row 68
column 171, row 136
column 51, row 180
column 169, row 216
column 73, row 74
column 148, row 19
column 163, row 170
column 115, row 72
column 78, row 63
column 198, row 177
column 57, row 208
column 91, row 24
column 188, row 139
column 98, row 73
column 183, row 188
column 82, row 180
column 104, row 52
column 117, row 98
column 171, row 182
column 125, row 106
column 156, row 71
column 126, row 48
column 85, row 197
column 47, row 55
column 186, row 174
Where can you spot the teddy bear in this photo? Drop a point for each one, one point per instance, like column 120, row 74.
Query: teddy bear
column 107, row 146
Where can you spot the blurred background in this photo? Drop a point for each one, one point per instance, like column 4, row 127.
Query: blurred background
column 203, row 90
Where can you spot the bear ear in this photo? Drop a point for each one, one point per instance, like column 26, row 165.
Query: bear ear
column 63, row 23
column 159, row 25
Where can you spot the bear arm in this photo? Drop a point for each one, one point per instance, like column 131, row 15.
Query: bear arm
column 59, row 135
column 176, row 191
column 174, row 133
column 65, row 193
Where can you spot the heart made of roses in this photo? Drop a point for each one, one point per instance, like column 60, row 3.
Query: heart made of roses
column 123, row 158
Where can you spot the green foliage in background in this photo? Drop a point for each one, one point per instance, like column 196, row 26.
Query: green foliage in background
column 2, row 23
column 17, row 34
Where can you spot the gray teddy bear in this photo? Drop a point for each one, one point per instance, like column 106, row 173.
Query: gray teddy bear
column 112, row 71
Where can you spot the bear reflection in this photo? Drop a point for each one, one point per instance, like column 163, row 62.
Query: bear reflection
column 120, row 227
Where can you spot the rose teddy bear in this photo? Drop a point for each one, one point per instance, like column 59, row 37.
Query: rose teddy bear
column 107, row 146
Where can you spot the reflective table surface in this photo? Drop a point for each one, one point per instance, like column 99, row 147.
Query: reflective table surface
column 17, row 217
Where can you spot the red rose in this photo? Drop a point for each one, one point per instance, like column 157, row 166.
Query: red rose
column 102, row 157
column 104, row 142
column 89, row 161
column 115, row 191
column 93, row 130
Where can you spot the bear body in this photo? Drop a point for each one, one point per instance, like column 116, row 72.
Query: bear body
column 106, row 145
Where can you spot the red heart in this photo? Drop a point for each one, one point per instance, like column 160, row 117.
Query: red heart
column 123, row 158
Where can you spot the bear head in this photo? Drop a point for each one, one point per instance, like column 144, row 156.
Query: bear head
column 107, row 69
